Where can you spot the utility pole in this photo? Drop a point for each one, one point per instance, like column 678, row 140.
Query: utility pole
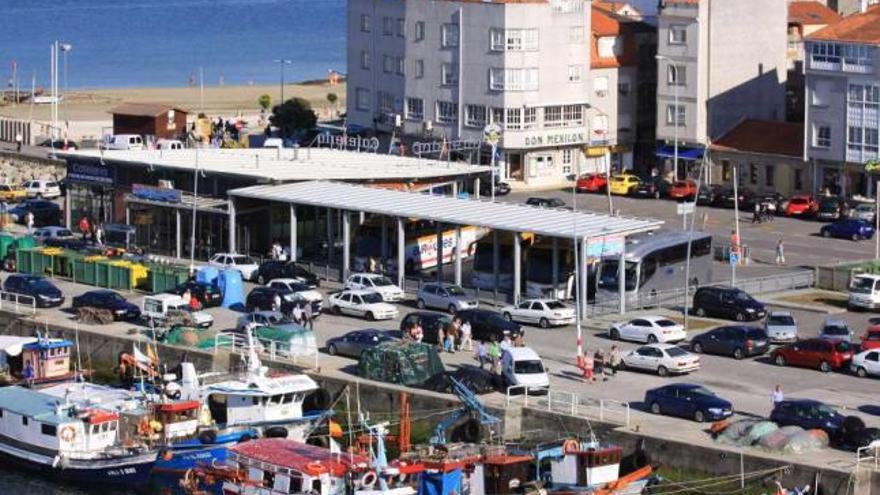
column 738, row 247
column 282, row 62
column 202, row 90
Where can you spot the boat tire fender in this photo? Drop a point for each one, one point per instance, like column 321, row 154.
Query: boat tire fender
column 369, row 479
column 275, row 432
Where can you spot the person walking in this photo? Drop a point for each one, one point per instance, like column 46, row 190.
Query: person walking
column 84, row 227
column 482, row 353
column 756, row 213
column 587, row 366
column 467, row 342
column 494, row 355
column 506, row 343
column 614, row 359
column 777, row 395
column 296, row 314
column 29, row 221
column 780, row 252
column 99, row 235
column 309, row 316
column 19, row 139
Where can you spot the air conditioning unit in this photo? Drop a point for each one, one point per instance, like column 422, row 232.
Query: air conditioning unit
column 166, row 184
column 429, row 125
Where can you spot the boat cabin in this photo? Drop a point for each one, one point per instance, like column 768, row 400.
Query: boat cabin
column 178, row 420
column 582, row 464
column 259, row 400
column 32, row 360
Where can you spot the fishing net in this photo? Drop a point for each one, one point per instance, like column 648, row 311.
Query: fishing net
column 403, row 363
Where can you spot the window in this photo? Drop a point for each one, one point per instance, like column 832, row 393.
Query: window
column 401, row 28
column 675, row 115
column 419, row 69
column 798, row 179
column 513, row 40
column 419, row 33
column 362, row 99
column 385, row 102
column 24, row 420
column 387, row 26
column 822, row 136
column 365, row 60
column 447, row 112
column 475, row 115
column 498, row 116
column 600, row 86
column 609, row 46
column 753, row 173
column 449, row 74
column 575, row 34
column 677, row 34
column 821, row 93
column 365, row 23
column 530, row 118
column 387, row 64
column 513, row 79
column 623, row 88
column 449, row 35
column 769, row 175
column 726, row 170
column 566, row 6
column 573, row 115
column 401, row 66
column 574, row 73
column 676, row 75
column 567, row 160
column 514, row 118
column 553, row 117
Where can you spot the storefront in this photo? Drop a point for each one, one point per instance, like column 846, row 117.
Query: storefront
column 689, row 159
column 544, row 157
column 90, row 192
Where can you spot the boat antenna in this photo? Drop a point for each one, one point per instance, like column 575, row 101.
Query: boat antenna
column 78, row 375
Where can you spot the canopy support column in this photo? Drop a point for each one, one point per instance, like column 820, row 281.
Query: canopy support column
column 458, row 247
column 346, row 248
column 384, row 249
column 232, row 226
column 517, row 266
column 439, row 227
column 582, row 264
column 401, row 258
column 621, row 281
column 555, row 268
column 178, row 244
column 293, row 233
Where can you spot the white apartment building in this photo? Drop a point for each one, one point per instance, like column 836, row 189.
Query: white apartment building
column 719, row 62
column 842, row 96
column 443, row 69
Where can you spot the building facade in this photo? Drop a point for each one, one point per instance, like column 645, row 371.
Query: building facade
column 843, row 102
column 804, row 19
column 443, row 70
column 721, row 61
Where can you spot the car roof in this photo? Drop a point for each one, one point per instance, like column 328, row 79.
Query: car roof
column 426, row 313
column 518, row 353
column 262, row 313
column 540, row 299
column 285, row 281
column 100, row 291
column 662, row 346
column 779, row 313
column 835, row 322
column 803, row 401
column 683, row 386
column 653, row 318
column 359, row 292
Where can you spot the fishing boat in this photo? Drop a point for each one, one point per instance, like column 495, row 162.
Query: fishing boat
column 34, row 361
column 69, row 441
column 579, row 467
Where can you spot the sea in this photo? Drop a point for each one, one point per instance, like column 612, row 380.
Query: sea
column 165, row 43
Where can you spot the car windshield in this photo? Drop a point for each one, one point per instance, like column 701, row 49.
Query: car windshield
column 382, row 282
column 240, row 259
column 528, row 367
column 63, row 233
column 862, row 285
column 371, row 298
column 666, row 323
column 864, row 208
column 784, row 320
column 823, row 411
column 608, row 277
column 742, row 296
column 555, row 305
column 676, row 352
column 112, row 296
column 39, row 283
column 798, row 201
column 755, row 334
column 835, row 329
column 455, row 290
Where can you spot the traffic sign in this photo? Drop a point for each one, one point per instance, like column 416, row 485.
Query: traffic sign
column 734, row 258
column 685, row 208
column 492, row 134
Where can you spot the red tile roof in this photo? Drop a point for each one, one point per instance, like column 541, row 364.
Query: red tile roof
column 765, row 137
column 811, row 13
column 856, row 28
column 605, row 24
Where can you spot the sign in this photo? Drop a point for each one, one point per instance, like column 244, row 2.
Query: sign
column 348, row 142
column 685, row 208
column 492, row 134
column 734, row 258
column 605, row 246
column 94, row 173
column 545, row 139
column 872, row 166
column 153, row 193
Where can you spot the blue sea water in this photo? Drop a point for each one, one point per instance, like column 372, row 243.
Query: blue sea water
column 137, row 43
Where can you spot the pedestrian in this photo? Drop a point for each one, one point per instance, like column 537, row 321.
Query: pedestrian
column 418, row 332
column 449, row 342
column 756, row 214
column 506, row 343
column 296, row 314
column 599, row 364
column 780, row 252
column 482, row 353
column 29, row 221
column 19, row 139
column 614, row 359
column 467, row 343
column 28, row 372
column 494, row 354
column 587, row 365
column 194, row 303
column 441, row 337
column 777, row 395
column 99, row 235
column 186, row 296
column 309, row 316
column 94, row 233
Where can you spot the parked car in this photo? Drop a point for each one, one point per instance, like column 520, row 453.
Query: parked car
column 163, row 308
column 231, row 261
column 375, row 282
column 727, row 302
column 848, row 228
column 53, row 232
column 501, row 188
column 683, row 189
column 169, row 144
column 801, row 205
column 832, row 208
column 45, row 212
column 836, row 329
column 268, row 299
column 662, row 359
column 269, row 270
column 364, row 303
column 655, row 187
column 591, row 183
column 808, row 414
column 824, row 354
column 43, row 292
column 871, row 338
column 10, row 193
column 523, row 367
column 688, row 400
column 207, row 295
column 738, row 341
column 544, row 312
column 110, row 300
column 354, row 343
column 122, row 142
column 59, row 144
column 745, row 200
column 709, row 195
column 863, row 211
column 487, row 325
column 261, row 318
column 295, row 291
column 624, row 185
column 546, row 202
column 866, row 363
column 445, row 296
column 430, row 322
column 41, row 188
column 772, row 202
column 648, row 329
column 781, row 327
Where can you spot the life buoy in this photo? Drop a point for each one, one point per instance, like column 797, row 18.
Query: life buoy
column 68, row 433
column 570, row 446
column 167, row 455
column 369, row 479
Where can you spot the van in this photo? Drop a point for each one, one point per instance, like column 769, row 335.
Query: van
column 169, row 144
column 123, row 142
column 522, row 367
column 171, row 309
column 864, row 291
column 727, row 302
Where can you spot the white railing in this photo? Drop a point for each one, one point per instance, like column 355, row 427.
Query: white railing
column 273, row 349
column 18, row 303
column 868, row 456
column 571, row 404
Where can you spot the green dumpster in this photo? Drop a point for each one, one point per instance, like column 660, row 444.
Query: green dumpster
column 84, row 271
column 7, row 241
column 25, row 242
column 118, row 277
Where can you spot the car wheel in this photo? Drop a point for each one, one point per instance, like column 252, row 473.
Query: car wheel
column 697, row 347
column 261, row 279
column 662, row 371
column 655, row 408
column 740, row 316
column 824, row 367
column 544, row 322
column 652, row 339
column 331, row 349
column 701, row 312
column 508, row 317
column 780, row 360
column 737, row 353
column 614, row 334
column 421, row 304
column 862, row 372
column 826, row 233
column 856, row 237
column 452, row 309
column 699, row 417
column 335, row 310
column 370, row 316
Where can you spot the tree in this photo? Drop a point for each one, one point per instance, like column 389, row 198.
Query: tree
column 332, row 99
column 265, row 102
column 293, row 116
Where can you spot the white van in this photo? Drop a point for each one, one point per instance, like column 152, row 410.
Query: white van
column 123, row 142
column 864, row 291
column 522, row 366
column 169, row 144
column 172, row 309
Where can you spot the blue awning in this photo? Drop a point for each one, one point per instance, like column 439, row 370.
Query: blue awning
column 667, row 151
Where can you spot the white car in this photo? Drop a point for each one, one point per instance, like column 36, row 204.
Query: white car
column 376, row 283
column 42, row 188
column 161, row 308
column 662, row 359
column 648, row 329
column 44, row 233
column 863, row 211
column 364, row 303
column 522, row 367
column 244, row 264
column 544, row 312
column 296, row 287
column 866, row 363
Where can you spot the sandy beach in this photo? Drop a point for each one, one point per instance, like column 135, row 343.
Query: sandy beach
column 87, row 110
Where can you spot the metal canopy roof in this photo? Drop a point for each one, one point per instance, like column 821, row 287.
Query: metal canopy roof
column 551, row 222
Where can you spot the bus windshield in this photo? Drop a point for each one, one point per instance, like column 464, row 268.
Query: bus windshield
column 608, row 275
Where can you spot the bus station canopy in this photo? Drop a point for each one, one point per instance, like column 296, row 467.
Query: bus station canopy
column 549, row 222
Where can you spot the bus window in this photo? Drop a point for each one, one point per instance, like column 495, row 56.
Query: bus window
column 608, row 275
column 648, row 268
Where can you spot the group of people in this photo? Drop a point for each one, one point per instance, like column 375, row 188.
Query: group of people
column 90, row 230
column 598, row 364
column 303, row 314
column 490, row 352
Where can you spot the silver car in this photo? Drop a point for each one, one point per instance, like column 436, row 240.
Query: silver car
column 836, row 329
column 445, row 296
column 781, row 327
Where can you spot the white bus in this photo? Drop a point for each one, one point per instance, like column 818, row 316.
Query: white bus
column 483, row 273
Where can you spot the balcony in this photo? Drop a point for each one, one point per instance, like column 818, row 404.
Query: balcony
column 857, row 68
column 824, row 65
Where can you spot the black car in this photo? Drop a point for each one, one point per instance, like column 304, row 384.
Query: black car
column 276, row 299
column 60, row 144
column 710, row 195
column 285, row 269
column 208, row 295
column 430, row 322
column 656, row 187
column 354, row 343
column 487, row 325
column 746, row 199
column 107, row 299
column 832, row 208
column 43, row 292
column 501, row 188
column 728, row 303
column 46, row 213
column 738, row 341
column 546, row 202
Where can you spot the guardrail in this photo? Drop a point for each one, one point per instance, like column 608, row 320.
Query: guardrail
column 18, row 303
column 572, row 404
column 868, row 456
column 273, row 349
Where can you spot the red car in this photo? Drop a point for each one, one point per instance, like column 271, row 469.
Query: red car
column 824, row 354
column 683, row 189
column 801, row 206
column 591, row 183
column 871, row 339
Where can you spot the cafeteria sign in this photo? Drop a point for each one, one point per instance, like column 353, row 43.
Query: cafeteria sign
column 872, row 166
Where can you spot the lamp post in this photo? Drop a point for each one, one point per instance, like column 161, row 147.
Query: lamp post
column 675, row 114
column 282, row 62
column 65, row 47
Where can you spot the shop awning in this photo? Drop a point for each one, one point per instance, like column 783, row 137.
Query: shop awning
column 668, row 151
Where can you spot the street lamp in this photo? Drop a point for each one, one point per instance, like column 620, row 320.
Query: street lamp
column 65, row 47
column 282, row 62
column 675, row 114
column 606, row 156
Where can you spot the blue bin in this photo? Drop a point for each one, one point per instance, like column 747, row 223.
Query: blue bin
column 209, row 275
column 232, row 287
